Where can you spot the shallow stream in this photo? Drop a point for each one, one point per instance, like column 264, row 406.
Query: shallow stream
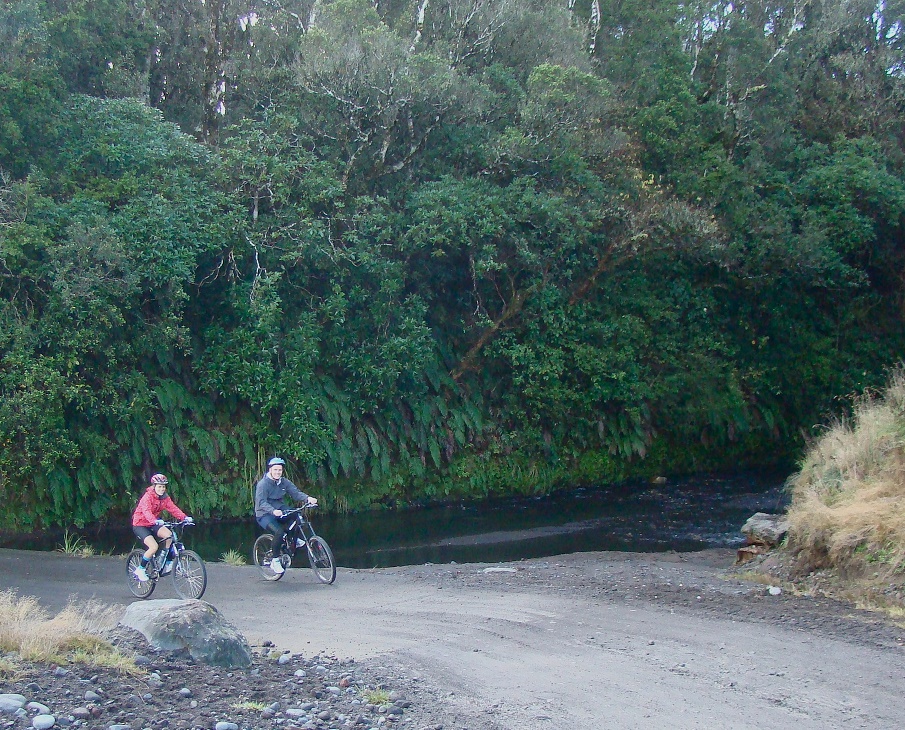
column 685, row 514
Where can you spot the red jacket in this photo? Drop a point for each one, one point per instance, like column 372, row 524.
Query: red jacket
column 150, row 506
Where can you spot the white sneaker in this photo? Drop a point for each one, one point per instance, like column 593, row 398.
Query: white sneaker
column 299, row 543
column 141, row 574
column 276, row 565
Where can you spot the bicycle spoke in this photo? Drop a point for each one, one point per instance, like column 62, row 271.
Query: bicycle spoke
column 189, row 575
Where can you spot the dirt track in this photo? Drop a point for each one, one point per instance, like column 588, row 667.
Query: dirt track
column 578, row 642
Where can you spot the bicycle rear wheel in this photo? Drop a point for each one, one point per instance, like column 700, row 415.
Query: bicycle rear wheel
column 321, row 558
column 262, row 554
column 189, row 575
column 140, row 588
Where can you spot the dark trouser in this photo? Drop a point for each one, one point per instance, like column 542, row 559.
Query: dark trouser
column 275, row 525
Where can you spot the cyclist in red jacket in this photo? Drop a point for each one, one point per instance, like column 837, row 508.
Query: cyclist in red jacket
column 146, row 522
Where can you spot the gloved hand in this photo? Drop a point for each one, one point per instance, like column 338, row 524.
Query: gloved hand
column 158, row 523
column 312, row 501
column 189, row 520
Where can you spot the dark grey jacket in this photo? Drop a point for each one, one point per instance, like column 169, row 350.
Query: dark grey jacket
column 269, row 495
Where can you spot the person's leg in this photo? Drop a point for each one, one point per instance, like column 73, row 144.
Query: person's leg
column 151, row 548
column 163, row 535
column 147, row 539
column 273, row 524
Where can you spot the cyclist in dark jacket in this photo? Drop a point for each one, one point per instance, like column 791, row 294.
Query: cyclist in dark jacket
column 270, row 505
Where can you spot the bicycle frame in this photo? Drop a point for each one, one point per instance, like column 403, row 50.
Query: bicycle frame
column 297, row 526
column 159, row 559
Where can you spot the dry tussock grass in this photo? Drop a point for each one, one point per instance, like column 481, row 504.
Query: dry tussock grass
column 73, row 635
column 9, row 668
column 848, row 500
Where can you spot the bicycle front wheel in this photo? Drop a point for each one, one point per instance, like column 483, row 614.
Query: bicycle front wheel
column 189, row 575
column 321, row 558
column 140, row 588
column 262, row 554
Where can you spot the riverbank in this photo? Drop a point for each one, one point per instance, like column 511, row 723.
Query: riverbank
column 628, row 639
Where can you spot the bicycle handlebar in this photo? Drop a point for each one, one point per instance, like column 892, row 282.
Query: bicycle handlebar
column 296, row 510
column 180, row 523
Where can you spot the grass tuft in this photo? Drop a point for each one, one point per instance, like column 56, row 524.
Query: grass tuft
column 233, row 557
column 74, row 545
column 376, row 696
column 73, row 635
column 9, row 668
column 847, row 513
column 250, row 705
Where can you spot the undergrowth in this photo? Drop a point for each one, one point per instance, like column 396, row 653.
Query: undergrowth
column 74, row 636
column 847, row 513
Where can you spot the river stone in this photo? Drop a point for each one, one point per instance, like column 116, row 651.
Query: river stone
column 11, row 702
column 43, row 722
column 193, row 626
column 765, row 529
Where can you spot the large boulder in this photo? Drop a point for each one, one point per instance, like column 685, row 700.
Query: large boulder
column 193, row 627
column 765, row 529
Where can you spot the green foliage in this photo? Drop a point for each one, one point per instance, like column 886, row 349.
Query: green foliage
column 494, row 248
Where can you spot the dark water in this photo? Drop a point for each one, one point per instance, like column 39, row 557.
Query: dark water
column 686, row 514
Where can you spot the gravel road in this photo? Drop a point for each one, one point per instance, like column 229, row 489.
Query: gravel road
column 577, row 642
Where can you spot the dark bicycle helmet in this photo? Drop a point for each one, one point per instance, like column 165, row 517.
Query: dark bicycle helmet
column 276, row 461
column 159, row 479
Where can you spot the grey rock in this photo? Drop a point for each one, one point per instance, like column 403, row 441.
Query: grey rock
column 222, row 725
column 194, row 626
column 765, row 529
column 38, row 707
column 11, row 702
column 43, row 721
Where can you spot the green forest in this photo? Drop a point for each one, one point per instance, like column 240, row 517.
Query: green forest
column 429, row 250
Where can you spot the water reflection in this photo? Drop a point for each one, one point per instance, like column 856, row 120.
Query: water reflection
column 684, row 515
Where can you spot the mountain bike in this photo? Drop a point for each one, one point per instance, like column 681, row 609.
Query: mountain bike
column 186, row 567
column 299, row 535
